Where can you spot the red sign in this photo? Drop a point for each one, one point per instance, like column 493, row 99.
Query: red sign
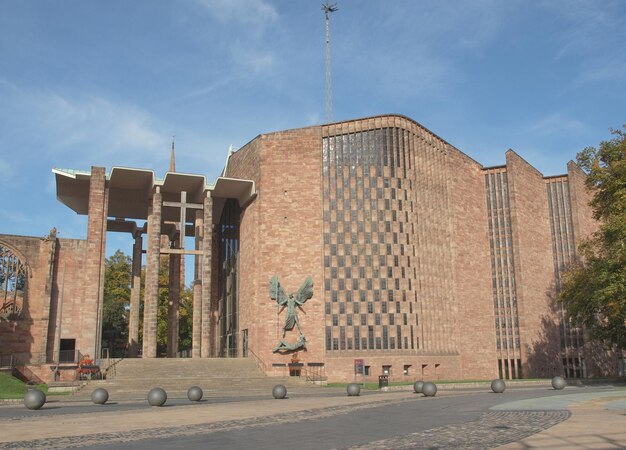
column 359, row 366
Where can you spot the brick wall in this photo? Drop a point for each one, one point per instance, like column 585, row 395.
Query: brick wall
column 281, row 234
column 424, row 367
column 69, row 287
column 474, row 314
column 50, row 260
column 28, row 335
column 534, row 273
column 450, row 241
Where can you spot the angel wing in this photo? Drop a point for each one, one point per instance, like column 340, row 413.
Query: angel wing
column 277, row 292
column 305, row 292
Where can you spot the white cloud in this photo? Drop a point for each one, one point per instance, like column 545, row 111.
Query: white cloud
column 257, row 12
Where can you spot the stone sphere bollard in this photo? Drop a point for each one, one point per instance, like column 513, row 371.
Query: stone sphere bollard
column 157, row 397
column 498, row 386
column 279, row 391
column 99, row 396
column 429, row 389
column 34, row 399
column 418, row 386
column 354, row 390
column 558, row 383
column 195, row 394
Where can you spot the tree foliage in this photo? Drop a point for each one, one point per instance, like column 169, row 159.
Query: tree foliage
column 115, row 310
column 185, row 311
column 594, row 288
column 117, row 277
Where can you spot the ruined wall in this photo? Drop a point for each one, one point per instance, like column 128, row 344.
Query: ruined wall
column 32, row 338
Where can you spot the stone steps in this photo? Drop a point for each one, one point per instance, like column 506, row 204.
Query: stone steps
column 133, row 378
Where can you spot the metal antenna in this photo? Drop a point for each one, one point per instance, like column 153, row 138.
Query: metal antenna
column 328, row 8
column 173, row 157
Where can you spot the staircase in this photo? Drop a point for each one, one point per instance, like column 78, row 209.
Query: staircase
column 218, row 377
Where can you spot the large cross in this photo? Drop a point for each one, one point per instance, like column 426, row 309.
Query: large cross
column 183, row 205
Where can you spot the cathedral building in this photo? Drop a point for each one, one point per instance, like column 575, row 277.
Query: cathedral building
column 360, row 248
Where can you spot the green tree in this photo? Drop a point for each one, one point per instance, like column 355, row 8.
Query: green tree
column 185, row 310
column 117, row 277
column 594, row 288
column 186, row 318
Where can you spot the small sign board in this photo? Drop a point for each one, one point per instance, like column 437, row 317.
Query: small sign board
column 359, row 366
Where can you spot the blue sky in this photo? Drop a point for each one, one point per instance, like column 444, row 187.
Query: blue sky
column 108, row 83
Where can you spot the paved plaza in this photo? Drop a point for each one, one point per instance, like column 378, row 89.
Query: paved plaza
column 323, row 418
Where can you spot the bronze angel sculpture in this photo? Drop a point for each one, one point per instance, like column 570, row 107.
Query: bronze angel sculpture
column 277, row 293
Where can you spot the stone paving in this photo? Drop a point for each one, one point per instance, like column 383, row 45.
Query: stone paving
column 490, row 430
column 597, row 422
column 581, row 419
column 186, row 430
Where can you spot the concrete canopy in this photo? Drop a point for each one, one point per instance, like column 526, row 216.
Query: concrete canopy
column 130, row 191
column 242, row 190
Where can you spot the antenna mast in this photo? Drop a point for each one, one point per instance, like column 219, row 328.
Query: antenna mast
column 328, row 8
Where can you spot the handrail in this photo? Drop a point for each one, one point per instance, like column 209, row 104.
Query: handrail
column 110, row 371
column 314, row 374
column 259, row 362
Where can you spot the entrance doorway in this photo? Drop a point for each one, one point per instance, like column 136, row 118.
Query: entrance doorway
column 227, row 278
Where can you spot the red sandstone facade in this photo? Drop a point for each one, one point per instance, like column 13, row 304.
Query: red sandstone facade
column 425, row 264
column 439, row 267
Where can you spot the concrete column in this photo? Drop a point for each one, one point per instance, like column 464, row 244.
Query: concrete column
column 196, row 349
column 91, row 326
column 207, row 252
column 135, row 299
column 151, row 298
column 173, row 299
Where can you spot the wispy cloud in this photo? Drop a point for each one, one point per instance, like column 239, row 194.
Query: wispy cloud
column 113, row 126
column 602, row 70
column 257, row 60
column 257, row 12
column 423, row 59
column 83, row 128
column 4, row 83
column 557, row 124
column 592, row 36
column 208, row 89
column 14, row 216
column 6, row 172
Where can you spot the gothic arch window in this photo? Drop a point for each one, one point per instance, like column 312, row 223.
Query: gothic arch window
column 13, row 284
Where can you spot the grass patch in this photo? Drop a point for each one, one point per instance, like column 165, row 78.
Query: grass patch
column 11, row 387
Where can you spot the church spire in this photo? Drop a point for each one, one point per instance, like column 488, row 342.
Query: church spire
column 173, row 158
